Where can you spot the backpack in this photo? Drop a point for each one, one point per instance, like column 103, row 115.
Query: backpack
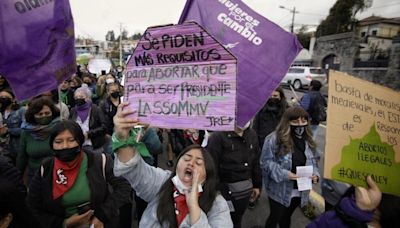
column 317, row 109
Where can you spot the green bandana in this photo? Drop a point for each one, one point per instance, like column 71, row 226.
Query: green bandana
column 131, row 141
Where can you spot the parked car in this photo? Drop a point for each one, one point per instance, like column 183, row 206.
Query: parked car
column 300, row 77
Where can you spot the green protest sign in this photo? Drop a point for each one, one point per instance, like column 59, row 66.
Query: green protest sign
column 363, row 133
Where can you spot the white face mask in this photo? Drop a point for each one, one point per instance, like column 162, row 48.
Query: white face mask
column 181, row 187
column 109, row 80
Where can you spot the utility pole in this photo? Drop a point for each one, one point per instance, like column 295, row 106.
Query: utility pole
column 293, row 11
column 292, row 26
column 120, row 44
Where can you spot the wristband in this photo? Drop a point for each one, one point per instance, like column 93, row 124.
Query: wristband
column 131, row 141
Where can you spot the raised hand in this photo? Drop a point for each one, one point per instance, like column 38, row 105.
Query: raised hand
column 122, row 123
column 368, row 199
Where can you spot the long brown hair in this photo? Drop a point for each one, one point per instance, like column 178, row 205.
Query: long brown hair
column 166, row 209
column 283, row 134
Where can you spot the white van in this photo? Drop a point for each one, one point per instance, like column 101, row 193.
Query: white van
column 300, row 77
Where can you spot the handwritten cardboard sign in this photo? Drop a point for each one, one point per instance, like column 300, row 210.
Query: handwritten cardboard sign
column 363, row 133
column 180, row 77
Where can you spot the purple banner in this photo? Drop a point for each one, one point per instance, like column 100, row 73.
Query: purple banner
column 37, row 49
column 263, row 49
column 180, row 77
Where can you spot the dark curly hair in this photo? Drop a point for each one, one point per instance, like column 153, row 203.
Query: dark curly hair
column 36, row 105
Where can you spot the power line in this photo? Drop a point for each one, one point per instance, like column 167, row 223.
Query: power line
column 283, row 18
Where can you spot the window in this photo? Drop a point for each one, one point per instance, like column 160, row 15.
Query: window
column 363, row 34
column 317, row 71
column 296, row 70
column 374, row 32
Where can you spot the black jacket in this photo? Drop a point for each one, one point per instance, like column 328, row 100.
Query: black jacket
column 51, row 214
column 266, row 122
column 12, row 195
column 97, row 125
column 236, row 158
column 109, row 110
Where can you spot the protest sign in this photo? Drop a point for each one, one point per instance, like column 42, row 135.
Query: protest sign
column 363, row 133
column 181, row 77
column 36, row 45
column 263, row 49
column 97, row 66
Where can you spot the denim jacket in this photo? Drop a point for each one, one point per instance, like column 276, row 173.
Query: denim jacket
column 14, row 121
column 275, row 171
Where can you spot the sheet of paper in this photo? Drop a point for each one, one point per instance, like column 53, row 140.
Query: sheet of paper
column 304, row 181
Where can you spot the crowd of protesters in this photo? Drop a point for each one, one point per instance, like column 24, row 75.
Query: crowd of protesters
column 71, row 158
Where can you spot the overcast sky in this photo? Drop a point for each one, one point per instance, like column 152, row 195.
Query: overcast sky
column 93, row 18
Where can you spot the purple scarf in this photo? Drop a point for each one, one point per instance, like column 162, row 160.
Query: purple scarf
column 83, row 111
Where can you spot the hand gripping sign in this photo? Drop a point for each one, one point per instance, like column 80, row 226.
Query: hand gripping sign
column 180, row 77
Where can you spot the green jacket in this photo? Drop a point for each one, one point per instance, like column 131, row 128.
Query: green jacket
column 32, row 151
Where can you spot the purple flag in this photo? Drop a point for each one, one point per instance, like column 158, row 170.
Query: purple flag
column 263, row 49
column 36, row 45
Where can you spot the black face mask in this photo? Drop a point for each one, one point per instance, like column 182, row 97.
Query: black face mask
column 67, row 155
column 5, row 102
column 115, row 94
column 273, row 101
column 273, row 104
column 80, row 102
column 298, row 130
column 45, row 120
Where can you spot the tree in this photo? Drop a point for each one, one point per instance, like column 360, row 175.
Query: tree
column 124, row 34
column 341, row 17
column 303, row 36
column 110, row 36
column 137, row 36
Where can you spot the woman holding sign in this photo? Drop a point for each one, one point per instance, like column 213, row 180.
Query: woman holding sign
column 183, row 198
column 286, row 151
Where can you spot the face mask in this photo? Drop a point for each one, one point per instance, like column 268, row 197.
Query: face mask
column 181, row 187
column 298, row 130
column 67, row 155
column 273, row 101
column 44, row 120
column 5, row 102
column 109, row 80
column 115, row 94
column 80, row 101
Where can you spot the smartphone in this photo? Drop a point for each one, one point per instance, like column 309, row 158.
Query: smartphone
column 83, row 208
